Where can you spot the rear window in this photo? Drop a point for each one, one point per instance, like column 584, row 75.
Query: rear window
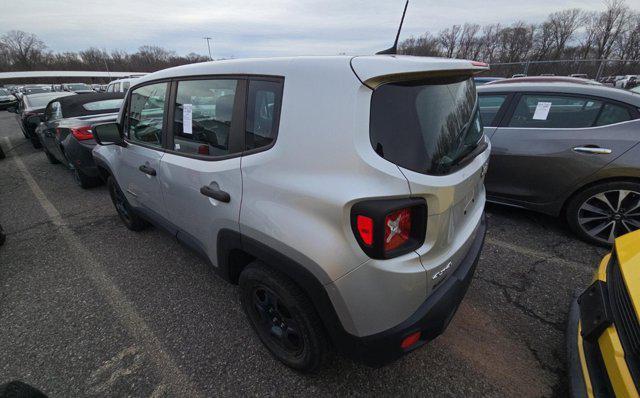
column 427, row 126
column 110, row 104
column 78, row 87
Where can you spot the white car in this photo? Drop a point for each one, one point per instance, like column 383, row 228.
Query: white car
column 120, row 85
column 343, row 194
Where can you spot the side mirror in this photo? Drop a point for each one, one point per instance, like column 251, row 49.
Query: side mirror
column 108, row 134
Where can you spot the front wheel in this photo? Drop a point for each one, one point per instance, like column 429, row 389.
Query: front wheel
column 283, row 317
column 601, row 213
column 126, row 213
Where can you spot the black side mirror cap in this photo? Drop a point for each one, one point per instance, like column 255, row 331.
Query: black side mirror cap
column 108, row 134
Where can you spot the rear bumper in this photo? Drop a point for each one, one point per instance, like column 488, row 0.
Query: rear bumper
column 80, row 155
column 431, row 318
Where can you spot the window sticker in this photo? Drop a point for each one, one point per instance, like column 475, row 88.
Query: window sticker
column 187, row 122
column 542, row 111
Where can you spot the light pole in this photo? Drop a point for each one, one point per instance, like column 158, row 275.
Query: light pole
column 208, row 46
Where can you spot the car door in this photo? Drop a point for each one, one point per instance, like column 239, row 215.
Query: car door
column 548, row 142
column 202, row 181
column 144, row 127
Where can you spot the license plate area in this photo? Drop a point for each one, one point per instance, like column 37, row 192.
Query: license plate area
column 595, row 313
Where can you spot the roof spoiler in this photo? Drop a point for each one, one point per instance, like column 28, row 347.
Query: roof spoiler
column 374, row 71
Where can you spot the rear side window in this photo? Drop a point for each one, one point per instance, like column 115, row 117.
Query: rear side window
column 203, row 116
column 611, row 114
column 263, row 109
column 489, row 107
column 426, row 126
column 125, row 86
column 145, row 114
column 554, row 111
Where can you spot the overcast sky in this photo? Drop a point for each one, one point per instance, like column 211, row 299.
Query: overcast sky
column 257, row 28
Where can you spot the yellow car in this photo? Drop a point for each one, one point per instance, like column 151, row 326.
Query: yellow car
column 604, row 334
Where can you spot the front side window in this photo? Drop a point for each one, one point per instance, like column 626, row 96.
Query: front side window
column 611, row 114
column 262, row 113
column 555, row 111
column 145, row 114
column 203, row 116
column 489, row 107
column 427, row 126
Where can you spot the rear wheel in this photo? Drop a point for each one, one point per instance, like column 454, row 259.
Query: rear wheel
column 35, row 141
column 83, row 180
column 603, row 212
column 283, row 317
column 52, row 159
column 126, row 213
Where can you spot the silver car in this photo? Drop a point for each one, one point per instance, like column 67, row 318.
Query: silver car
column 568, row 150
column 343, row 194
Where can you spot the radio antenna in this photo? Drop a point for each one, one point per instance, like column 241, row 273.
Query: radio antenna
column 394, row 49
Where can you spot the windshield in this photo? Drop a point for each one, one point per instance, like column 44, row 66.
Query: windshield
column 427, row 126
column 35, row 90
column 40, row 101
column 78, row 87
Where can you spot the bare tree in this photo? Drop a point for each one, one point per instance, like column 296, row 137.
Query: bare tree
column 468, row 44
column 448, row 39
column 609, row 27
column 563, row 28
column 23, row 49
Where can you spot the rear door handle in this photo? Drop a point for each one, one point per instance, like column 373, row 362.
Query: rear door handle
column 593, row 150
column 147, row 170
column 213, row 191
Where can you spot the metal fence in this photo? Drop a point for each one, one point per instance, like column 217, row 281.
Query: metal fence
column 593, row 68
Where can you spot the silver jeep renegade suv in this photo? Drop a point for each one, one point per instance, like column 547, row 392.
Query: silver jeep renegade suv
column 343, row 194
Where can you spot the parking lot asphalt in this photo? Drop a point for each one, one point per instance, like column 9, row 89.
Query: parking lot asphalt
column 89, row 308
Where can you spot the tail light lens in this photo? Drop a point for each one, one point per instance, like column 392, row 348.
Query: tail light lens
column 389, row 228
column 82, row 133
column 365, row 229
column 397, row 228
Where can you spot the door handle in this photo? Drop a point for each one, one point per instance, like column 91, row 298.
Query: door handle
column 216, row 193
column 592, row 150
column 147, row 170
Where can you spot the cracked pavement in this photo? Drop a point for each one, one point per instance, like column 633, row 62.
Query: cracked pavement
column 89, row 308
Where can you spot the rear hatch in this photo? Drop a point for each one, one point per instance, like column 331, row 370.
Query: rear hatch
column 424, row 118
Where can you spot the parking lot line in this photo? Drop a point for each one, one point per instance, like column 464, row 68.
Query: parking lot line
column 536, row 253
column 172, row 376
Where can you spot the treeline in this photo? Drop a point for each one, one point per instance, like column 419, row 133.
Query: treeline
column 22, row 51
column 569, row 34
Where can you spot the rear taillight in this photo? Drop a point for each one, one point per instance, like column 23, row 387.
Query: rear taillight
column 82, row 133
column 389, row 228
column 397, row 228
column 365, row 229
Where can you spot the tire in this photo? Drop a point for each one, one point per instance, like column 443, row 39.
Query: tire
column 598, row 216
column 83, row 180
column 3, row 237
column 126, row 213
column 303, row 344
column 52, row 159
column 35, row 141
column 18, row 389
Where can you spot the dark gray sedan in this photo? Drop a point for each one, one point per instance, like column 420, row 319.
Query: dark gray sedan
column 568, row 150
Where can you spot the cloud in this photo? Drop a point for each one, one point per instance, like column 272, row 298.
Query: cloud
column 257, row 28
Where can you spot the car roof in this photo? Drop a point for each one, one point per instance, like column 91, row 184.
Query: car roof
column 547, row 79
column 565, row 88
column 365, row 67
